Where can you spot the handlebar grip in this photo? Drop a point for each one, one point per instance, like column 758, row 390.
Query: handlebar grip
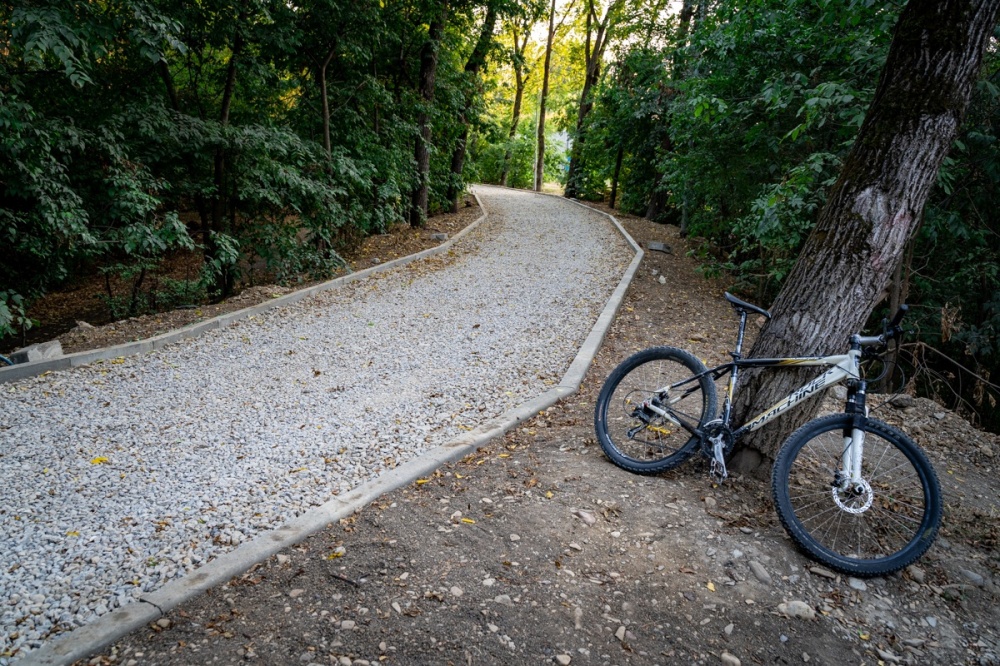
column 898, row 317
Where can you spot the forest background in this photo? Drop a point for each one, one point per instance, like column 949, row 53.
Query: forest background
column 269, row 137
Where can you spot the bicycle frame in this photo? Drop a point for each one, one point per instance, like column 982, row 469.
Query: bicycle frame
column 840, row 367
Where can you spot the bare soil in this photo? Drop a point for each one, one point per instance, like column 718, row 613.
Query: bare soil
column 536, row 549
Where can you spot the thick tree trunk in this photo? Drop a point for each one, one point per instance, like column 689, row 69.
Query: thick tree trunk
column 472, row 66
column 540, row 134
column 421, row 153
column 874, row 206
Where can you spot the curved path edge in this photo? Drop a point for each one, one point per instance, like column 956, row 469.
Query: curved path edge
column 24, row 370
column 97, row 635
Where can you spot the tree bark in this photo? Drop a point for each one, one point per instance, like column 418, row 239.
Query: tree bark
column 472, row 66
column 874, row 206
column 421, row 153
column 326, row 99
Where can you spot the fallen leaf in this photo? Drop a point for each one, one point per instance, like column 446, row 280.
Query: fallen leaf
column 99, row 460
column 468, row 521
column 711, row 586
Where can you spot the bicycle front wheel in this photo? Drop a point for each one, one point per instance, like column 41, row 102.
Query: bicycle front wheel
column 629, row 418
column 868, row 528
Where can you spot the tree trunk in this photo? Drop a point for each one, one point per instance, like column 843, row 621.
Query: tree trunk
column 326, row 99
column 540, row 134
column 226, row 281
column 472, row 66
column 421, row 153
column 874, row 206
column 614, row 177
column 593, row 59
column 520, row 80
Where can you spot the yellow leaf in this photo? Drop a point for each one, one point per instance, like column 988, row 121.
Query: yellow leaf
column 458, row 476
column 297, row 469
column 468, row 521
column 711, row 586
column 421, row 482
column 504, row 455
column 334, row 555
column 548, row 494
column 118, row 361
column 99, row 460
column 73, row 533
column 863, row 636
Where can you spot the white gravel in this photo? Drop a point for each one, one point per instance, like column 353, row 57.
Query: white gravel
column 121, row 475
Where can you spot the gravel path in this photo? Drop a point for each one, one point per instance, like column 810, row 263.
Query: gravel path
column 119, row 476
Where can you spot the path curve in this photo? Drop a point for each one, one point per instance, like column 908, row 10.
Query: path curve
column 121, row 475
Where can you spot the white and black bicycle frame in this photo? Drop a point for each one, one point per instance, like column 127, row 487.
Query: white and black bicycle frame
column 841, row 367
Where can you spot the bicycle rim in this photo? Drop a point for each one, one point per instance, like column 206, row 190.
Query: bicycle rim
column 874, row 527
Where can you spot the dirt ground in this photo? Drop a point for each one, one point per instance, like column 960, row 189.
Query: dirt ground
column 536, row 549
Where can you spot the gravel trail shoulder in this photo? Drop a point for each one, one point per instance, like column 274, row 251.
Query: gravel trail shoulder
column 119, row 476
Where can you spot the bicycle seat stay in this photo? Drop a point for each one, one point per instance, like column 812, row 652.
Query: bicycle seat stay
column 741, row 305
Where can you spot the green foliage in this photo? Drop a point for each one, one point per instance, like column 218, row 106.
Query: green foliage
column 120, row 119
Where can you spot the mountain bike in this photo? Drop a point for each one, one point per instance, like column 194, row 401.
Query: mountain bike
column 853, row 492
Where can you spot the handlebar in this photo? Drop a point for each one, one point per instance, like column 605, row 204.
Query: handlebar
column 898, row 317
column 891, row 330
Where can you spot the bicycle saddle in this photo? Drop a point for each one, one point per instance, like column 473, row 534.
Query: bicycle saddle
column 743, row 305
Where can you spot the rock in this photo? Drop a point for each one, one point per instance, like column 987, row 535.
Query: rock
column 662, row 280
column 710, row 503
column 760, row 572
column 729, row 660
column 41, row 351
column 902, row 401
column 659, row 247
column 888, row 656
column 376, row 261
column 938, row 416
column 976, row 579
column 798, row 609
column 503, row 599
column 575, row 546
column 839, row 392
column 163, row 623
column 347, row 625
column 456, row 591
column 297, row 592
column 283, row 559
column 586, row 516
column 515, row 537
column 805, row 657
column 932, row 621
column 729, row 629
column 916, row 573
column 563, row 659
column 439, row 237
column 620, row 634
column 825, row 573
column 857, row 584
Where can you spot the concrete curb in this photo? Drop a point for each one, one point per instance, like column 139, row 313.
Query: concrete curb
column 24, row 370
column 93, row 637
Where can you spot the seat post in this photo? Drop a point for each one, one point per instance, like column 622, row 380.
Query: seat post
column 739, row 336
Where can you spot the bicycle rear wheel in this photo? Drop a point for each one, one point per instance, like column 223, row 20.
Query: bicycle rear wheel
column 631, row 432
column 873, row 528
